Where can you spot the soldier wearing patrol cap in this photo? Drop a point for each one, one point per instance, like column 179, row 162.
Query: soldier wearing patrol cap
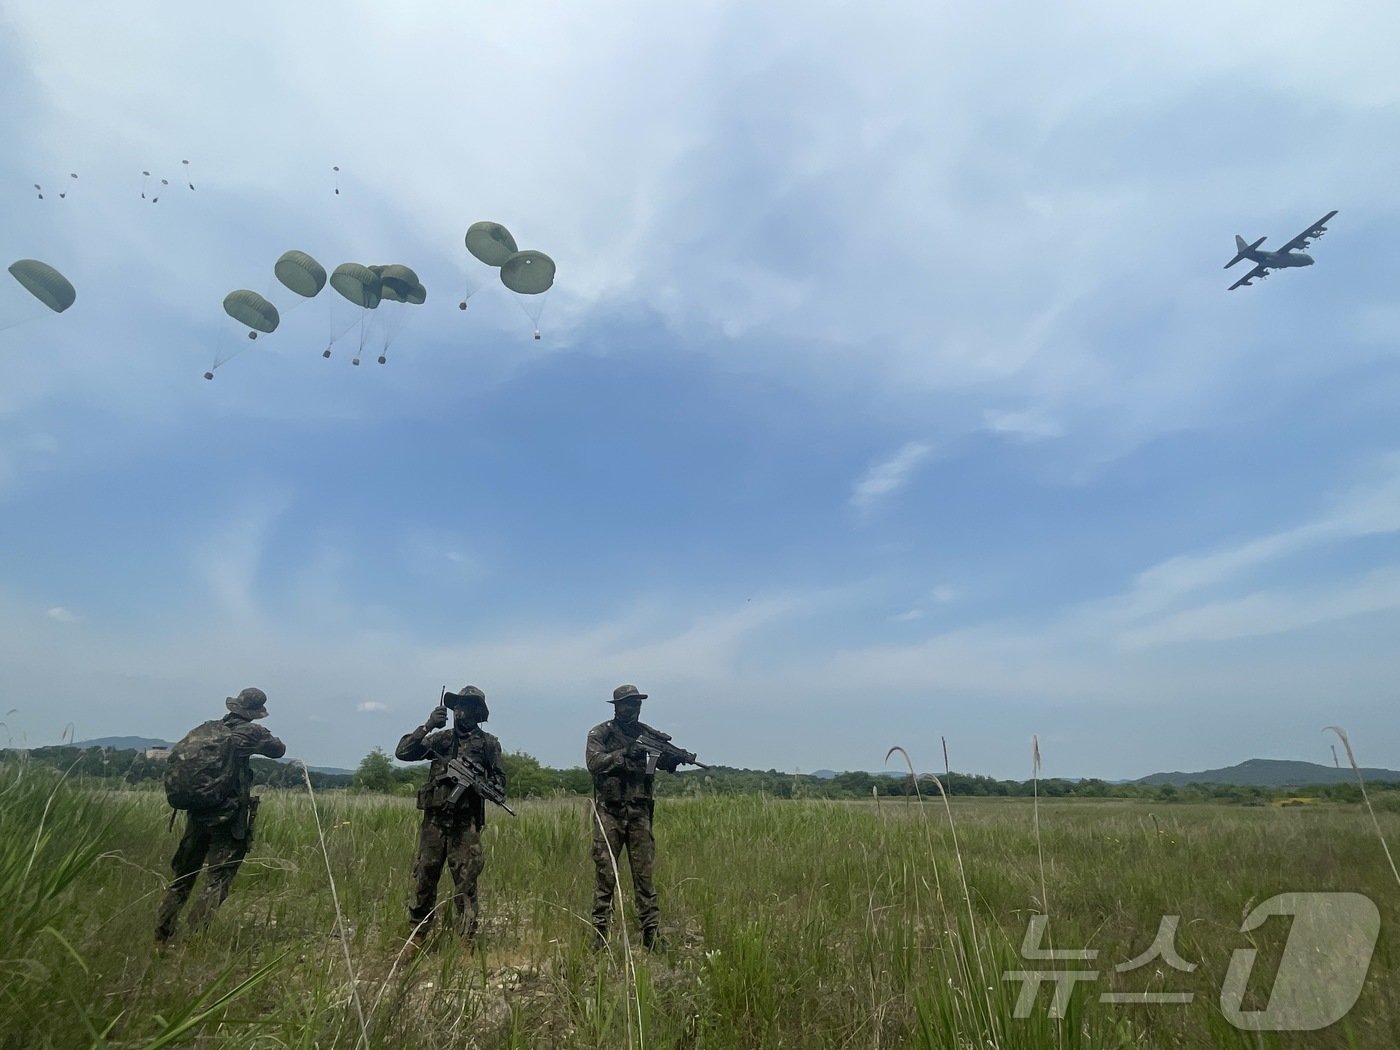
column 450, row 832
column 623, row 803
column 209, row 776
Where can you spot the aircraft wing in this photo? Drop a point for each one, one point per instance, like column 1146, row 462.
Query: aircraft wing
column 1259, row 271
column 1312, row 233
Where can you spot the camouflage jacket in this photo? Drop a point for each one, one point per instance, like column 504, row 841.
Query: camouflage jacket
column 440, row 746
column 250, row 739
column 619, row 775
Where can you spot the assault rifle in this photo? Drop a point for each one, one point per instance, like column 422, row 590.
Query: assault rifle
column 658, row 746
column 468, row 774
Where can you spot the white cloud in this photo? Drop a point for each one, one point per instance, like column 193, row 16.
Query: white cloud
column 63, row 615
column 884, row 479
column 1029, row 425
column 371, row 705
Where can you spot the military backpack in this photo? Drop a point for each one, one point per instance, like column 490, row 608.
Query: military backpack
column 201, row 772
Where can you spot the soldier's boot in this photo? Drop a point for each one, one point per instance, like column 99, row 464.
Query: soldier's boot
column 599, row 941
column 652, row 940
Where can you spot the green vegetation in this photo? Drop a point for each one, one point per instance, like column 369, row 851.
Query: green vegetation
column 527, row 778
column 810, row 923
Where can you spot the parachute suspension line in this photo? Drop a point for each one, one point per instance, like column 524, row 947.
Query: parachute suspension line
column 16, row 324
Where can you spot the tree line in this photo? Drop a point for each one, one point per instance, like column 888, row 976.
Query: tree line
column 528, row 778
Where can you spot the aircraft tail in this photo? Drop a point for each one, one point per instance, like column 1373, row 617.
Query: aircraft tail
column 1243, row 249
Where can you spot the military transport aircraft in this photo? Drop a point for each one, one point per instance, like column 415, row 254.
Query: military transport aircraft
column 1291, row 254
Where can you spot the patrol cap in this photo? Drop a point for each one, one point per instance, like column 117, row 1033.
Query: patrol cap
column 250, row 703
column 627, row 692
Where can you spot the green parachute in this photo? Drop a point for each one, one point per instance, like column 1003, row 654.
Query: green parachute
column 252, row 311
column 300, row 273
column 398, row 284
column 45, row 283
column 529, row 274
column 361, row 287
column 490, row 244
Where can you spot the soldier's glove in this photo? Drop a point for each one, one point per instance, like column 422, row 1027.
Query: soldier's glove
column 437, row 719
column 668, row 763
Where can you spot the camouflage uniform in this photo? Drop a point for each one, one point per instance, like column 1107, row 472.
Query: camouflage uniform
column 623, row 801
column 221, row 836
column 450, row 834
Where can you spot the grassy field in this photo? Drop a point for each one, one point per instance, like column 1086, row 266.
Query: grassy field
column 792, row 924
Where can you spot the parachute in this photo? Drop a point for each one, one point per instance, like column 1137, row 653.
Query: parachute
column 490, row 242
column 62, row 194
column 251, row 309
column 359, row 284
column 529, row 274
column 253, row 312
column 300, row 273
column 44, row 283
column 361, row 287
column 397, row 284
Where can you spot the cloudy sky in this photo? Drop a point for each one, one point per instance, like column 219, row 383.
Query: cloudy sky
column 889, row 389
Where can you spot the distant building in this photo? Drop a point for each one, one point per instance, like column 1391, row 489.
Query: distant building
column 157, row 752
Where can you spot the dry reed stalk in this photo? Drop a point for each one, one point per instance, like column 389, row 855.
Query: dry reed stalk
column 339, row 917
column 1035, row 815
column 630, row 965
column 1346, row 743
column 962, row 871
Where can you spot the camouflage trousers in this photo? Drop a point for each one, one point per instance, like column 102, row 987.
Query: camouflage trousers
column 456, row 843
column 626, row 825
column 220, row 841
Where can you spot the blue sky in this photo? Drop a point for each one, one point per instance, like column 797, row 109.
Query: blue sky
column 889, row 389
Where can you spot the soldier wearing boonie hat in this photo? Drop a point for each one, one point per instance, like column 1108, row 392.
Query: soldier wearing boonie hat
column 209, row 776
column 623, row 804
column 450, row 832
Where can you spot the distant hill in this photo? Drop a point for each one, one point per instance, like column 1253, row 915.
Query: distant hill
column 123, row 743
column 1270, row 772
column 141, row 743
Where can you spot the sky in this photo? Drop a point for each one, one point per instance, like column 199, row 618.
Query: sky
column 889, row 391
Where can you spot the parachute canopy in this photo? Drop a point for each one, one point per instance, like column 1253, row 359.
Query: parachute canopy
column 490, row 242
column 44, row 283
column 301, row 273
column 253, row 310
column 528, row 273
column 359, row 284
column 396, row 282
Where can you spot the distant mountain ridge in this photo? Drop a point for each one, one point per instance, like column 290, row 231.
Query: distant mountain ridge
column 141, row 743
column 1270, row 772
column 122, row 743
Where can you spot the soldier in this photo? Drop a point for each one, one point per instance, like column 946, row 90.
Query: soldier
column 623, row 800
column 450, row 832
column 210, row 777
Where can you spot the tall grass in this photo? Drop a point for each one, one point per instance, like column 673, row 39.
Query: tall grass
column 793, row 924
